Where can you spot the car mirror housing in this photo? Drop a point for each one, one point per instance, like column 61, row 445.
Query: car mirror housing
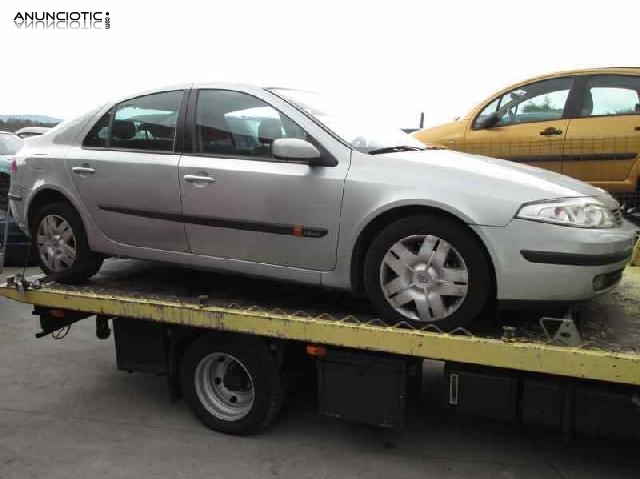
column 296, row 149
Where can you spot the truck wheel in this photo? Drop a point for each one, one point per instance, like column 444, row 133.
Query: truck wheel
column 231, row 383
column 62, row 245
column 427, row 269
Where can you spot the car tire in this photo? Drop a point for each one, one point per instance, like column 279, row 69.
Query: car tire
column 85, row 262
column 420, row 242
column 209, row 384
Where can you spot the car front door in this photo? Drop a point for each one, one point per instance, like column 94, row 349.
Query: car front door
column 239, row 202
column 126, row 172
column 603, row 141
column 526, row 125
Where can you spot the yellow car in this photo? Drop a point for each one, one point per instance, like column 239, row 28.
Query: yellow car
column 583, row 123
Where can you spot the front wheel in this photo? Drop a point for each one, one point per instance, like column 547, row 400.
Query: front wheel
column 63, row 249
column 427, row 270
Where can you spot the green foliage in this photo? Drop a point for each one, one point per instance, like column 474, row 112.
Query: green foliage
column 14, row 124
column 623, row 111
column 545, row 106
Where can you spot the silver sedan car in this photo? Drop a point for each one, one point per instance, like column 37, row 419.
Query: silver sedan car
column 287, row 185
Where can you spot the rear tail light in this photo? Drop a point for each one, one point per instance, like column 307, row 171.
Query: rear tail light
column 14, row 166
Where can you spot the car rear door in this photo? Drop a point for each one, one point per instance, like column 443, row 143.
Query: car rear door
column 603, row 141
column 126, row 172
column 241, row 203
column 530, row 125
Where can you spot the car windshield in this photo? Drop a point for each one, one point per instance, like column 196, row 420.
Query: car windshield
column 10, row 144
column 357, row 129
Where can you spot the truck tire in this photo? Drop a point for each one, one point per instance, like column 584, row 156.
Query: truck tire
column 231, row 383
column 62, row 245
column 427, row 270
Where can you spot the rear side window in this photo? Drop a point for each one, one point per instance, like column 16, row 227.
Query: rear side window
column 143, row 123
column 97, row 136
column 610, row 95
column 146, row 122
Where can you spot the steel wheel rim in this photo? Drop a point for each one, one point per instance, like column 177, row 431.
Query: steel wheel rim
column 224, row 386
column 56, row 243
column 424, row 278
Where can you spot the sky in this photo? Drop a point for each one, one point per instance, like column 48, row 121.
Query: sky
column 403, row 56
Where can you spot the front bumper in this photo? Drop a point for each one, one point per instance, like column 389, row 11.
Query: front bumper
column 543, row 262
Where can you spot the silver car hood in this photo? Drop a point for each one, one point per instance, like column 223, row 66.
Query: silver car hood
column 535, row 183
column 478, row 189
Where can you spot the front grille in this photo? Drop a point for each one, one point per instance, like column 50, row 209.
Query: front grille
column 617, row 216
column 628, row 200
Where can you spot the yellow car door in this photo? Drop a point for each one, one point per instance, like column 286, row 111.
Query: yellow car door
column 527, row 124
column 603, row 143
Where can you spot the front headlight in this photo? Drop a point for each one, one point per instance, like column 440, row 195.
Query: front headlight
column 584, row 212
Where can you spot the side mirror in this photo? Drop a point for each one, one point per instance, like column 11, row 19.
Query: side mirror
column 490, row 121
column 295, row 149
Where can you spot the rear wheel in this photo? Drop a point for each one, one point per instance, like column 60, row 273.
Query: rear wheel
column 427, row 269
column 231, row 383
column 62, row 246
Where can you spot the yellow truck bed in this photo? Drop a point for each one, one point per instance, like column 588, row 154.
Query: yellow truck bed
column 610, row 325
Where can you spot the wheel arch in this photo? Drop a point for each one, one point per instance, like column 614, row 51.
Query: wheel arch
column 385, row 218
column 43, row 196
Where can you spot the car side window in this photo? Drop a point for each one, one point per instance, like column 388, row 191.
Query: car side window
column 539, row 101
column 611, row 95
column 146, row 122
column 143, row 123
column 98, row 135
column 488, row 110
column 234, row 123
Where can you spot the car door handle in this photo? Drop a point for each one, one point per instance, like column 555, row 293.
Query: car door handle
column 551, row 131
column 199, row 180
column 83, row 170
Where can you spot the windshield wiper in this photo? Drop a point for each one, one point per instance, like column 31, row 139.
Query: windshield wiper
column 393, row 149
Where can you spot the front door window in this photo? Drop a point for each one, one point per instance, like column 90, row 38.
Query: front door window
column 540, row 101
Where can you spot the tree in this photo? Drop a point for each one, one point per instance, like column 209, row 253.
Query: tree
column 545, row 106
column 14, row 124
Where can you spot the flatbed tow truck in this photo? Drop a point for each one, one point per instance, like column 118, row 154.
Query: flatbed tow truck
column 232, row 345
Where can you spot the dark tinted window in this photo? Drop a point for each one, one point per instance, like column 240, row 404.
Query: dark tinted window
column 146, row 122
column 234, row 123
column 611, row 95
column 97, row 136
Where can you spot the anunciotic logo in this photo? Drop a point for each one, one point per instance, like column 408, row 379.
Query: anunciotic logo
column 62, row 20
